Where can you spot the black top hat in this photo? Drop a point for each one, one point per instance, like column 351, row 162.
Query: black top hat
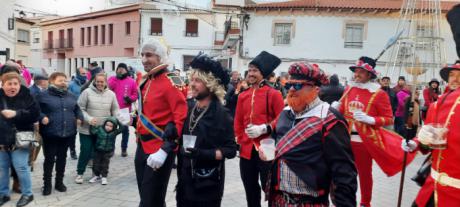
column 205, row 63
column 266, row 63
column 453, row 17
column 367, row 64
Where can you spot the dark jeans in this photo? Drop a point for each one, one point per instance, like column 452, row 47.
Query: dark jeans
column 55, row 151
column 187, row 203
column 124, row 137
column 101, row 163
column 152, row 184
column 251, row 171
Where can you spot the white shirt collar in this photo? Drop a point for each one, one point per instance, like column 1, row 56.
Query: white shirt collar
column 370, row 86
column 319, row 111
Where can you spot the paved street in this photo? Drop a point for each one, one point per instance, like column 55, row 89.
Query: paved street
column 122, row 189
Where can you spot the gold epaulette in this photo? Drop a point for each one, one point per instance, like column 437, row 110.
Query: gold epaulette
column 176, row 80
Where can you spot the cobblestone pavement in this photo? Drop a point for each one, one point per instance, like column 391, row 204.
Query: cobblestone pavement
column 122, row 187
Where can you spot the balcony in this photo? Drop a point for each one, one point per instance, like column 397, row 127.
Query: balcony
column 58, row 44
column 231, row 34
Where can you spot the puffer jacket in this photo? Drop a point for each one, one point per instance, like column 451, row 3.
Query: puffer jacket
column 27, row 113
column 105, row 141
column 62, row 110
column 96, row 104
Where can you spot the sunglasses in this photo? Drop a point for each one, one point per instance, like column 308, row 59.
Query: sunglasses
column 296, row 85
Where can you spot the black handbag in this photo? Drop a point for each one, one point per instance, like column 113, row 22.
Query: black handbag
column 206, row 177
column 423, row 172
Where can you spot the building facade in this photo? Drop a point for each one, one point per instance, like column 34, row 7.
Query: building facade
column 7, row 32
column 23, row 40
column 331, row 33
column 107, row 37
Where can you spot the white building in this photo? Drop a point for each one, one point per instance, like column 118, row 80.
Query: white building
column 333, row 33
column 7, row 33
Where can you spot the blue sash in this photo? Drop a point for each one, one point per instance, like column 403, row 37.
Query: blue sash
column 154, row 130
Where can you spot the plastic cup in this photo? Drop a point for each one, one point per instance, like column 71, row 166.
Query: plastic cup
column 439, row 136
column 268, row 148
column 189, row 141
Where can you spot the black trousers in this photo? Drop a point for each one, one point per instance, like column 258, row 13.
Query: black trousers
column 251, row 171
column 101, row 163
column 187, row 203
column 72, row 144
column 152, row 184
column 55, row 151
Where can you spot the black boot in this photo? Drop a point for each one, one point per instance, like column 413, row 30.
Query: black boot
column 4, row 199
column 46, row 189
column 124, row 153
column 59, row 186
column 24, row 200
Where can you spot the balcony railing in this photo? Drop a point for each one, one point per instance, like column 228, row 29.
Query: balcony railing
column 58, row 44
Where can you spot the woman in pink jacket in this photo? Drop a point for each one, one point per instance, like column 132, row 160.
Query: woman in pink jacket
column 125, row 88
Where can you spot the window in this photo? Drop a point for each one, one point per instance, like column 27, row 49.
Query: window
column 82, row 36
column 76, row 63
column 156, row 26
column 110, row 33
column 82, row 60
column 96, row 31
column 23, row 36
column 89, row 35
column 61, row 38
column 70, row 38
column 128, row 28
column 187, row 60
column 113, row 65
column 354, row 35
column 36, row 37
column 191, row 27
column 103, row 34
column 102, row 65
column 283, row 33
column 50, row 39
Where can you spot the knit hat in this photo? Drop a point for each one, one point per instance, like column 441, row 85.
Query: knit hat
column 305, row 71
column 367, row 64
column 266, row 63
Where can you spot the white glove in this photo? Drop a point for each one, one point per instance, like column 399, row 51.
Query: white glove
column 255, row 131
column 408, row 146
column 363, row 117
column 157, row 159
column 335, row 105
column 425, row 134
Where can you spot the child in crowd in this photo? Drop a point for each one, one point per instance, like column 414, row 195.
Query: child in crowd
column 105, row 145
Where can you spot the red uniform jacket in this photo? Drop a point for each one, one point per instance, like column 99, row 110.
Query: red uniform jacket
column 255, row 106
column 449, row 158
column 162, row 103
column 382, row 144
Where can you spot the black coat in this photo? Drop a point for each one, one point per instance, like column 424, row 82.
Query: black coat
column 27, row 113
column 393, row 98
column 333, row 91
column 214, row 131
column 62, row 110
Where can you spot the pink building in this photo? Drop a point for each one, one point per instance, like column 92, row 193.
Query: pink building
column 107, row 37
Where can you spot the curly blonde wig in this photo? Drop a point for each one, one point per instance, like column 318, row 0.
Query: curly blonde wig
column 211, row 82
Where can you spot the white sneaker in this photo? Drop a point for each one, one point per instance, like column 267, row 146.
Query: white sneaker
column 79, row 179
column 104, row 181
column 94, row 179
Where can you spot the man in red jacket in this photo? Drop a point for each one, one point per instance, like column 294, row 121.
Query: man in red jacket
column 255, row 109
column 162, row 111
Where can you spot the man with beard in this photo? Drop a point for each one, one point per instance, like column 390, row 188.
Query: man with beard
column 125, row 89
column 367, row 109
column 201, row 167
column 162, row 111
column 256, row 108
column 313, row 151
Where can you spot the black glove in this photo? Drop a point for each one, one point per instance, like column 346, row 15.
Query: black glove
column 202, row 154
column 127, row 100
column 170, row 132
